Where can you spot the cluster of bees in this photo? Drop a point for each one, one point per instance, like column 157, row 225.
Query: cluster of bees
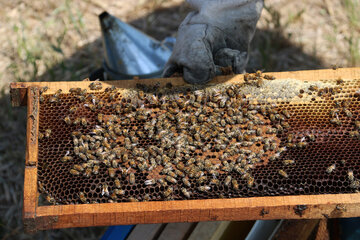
column 179, row 126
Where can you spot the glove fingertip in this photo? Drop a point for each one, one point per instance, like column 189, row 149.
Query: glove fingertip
column 199, row 76
column 169, row 70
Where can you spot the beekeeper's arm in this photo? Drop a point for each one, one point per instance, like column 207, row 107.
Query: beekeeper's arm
column 217, row 34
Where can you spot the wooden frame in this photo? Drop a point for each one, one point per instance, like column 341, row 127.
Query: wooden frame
column 83, row 215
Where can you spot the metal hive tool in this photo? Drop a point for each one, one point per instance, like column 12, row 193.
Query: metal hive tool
column 303, row 147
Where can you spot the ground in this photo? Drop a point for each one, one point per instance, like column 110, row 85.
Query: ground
column 60, row 40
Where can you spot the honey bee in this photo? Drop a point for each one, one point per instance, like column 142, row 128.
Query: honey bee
column 83, row 121
column 288, row 162
column 250, row 181
column 357, row 125
column 41, row 187
column 168, row 192
column 82, row 156
column 331, row 168
column 119, row 192
column 227, row 181
column 273, row 146
column 180, row 173
column 78, row 167
column 66, row 158
column 355, row 184
column 72, row 109
column 204, row 188
column 335, row 121
column 77, row 150
column 271, row 130
column 286, row 113
column 313, row 88
column 186, row 182
column 214, row 181
column 283, row 174
column 339, row 81
column 96, row 169
column 258, row 132
column 272, row 118
column 162, row 182
column 350, row 175
column 141, row 95
column 88, row 172
column 235, row 184
column 41, row 136
column 53, row 99
column 91, row 106
column 112, row 172
column 74, row 90
column 67, row 120
column 150, row 182
column 43, row 89
column 132, row 178
column 171, row 179
column 114, row 163
column 269, row 77
column 132, row 199
column 348, row 113
column 76, row 121
column 82, row 197
column 185, row 192
column 74, row 172
column 105, row 190
column 96, row 85
column 354, row 134
column 311, row 137
column 47, row 133
column 201, row 179
column 113, row 196
column 146, row 197
column 50, row 199
column 285, row 125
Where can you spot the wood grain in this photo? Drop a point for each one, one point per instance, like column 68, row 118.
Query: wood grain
column 30, row 200
column 32, row 127
column 309, row 75
column 279, row 207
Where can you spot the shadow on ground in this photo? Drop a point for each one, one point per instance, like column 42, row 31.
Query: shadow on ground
column 271, row 51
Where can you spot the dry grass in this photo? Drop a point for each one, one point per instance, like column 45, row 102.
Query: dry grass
column 60, row 40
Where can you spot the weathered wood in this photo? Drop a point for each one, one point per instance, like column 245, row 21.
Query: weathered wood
column 30, row 201
column 32, row 128
column 279, row 207
column 322, row 231
column 309, row 75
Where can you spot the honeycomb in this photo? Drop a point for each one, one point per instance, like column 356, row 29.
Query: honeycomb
column 260, row 138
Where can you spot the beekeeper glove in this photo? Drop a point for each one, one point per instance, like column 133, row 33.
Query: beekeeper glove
column 217, row 34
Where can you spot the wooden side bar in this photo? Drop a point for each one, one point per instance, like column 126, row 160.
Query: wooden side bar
column 18, row 89
column 31, row 155
column 287, row 207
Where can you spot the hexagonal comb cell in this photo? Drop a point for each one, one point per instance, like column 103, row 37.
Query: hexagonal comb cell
column 151, row 144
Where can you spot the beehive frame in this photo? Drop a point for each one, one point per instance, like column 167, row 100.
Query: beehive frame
column 62, row 216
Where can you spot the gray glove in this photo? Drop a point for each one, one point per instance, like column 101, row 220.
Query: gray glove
column 217, row 35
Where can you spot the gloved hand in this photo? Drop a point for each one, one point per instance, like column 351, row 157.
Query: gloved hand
column 217, row 35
